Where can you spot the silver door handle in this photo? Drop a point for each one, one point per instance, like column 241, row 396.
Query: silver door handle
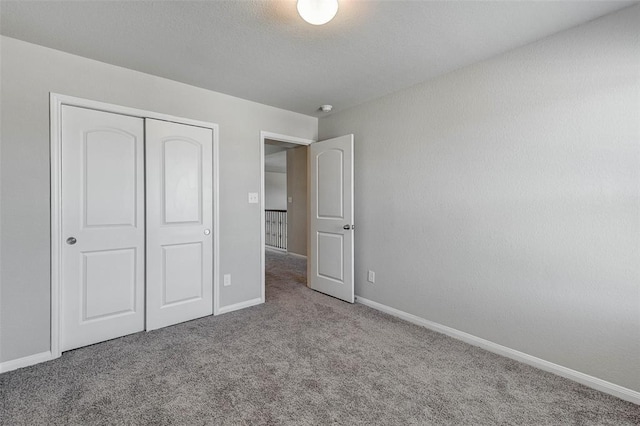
column 207, row 231
column 346, row 227
column 71, row 241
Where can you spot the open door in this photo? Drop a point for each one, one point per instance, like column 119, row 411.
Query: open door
column 330, row 266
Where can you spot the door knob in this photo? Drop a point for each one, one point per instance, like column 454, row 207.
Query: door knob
column 207, row 231
column 346, row 227
column 71, row 241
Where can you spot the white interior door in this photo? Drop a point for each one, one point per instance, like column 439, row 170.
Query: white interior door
column 103, row 225
column 330, row 267
column 179, row 223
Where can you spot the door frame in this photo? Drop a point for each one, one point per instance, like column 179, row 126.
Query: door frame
column 56, row 101
column 264, row 135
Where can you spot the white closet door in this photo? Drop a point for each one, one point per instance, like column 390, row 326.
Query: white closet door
column 103, row 225
column 179, row 223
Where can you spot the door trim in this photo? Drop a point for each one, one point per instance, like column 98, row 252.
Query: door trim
column 281, row 138
column 56, row 101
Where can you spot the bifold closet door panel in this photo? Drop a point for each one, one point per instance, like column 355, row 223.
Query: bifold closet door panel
column 179, row 222
column 103, row 226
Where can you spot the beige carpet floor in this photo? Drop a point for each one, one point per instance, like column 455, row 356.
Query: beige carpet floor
column 302, row 358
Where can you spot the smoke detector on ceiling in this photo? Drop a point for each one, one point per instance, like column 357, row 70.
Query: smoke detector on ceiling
column 326, row 108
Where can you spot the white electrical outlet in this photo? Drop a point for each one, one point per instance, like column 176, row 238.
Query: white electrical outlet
column 253, row 198
column 371, row 277
column 227, row 280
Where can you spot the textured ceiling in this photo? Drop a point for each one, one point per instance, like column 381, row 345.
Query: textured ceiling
column 262, row 50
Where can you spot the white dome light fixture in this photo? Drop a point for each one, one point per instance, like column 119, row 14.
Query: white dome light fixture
column 317, row 12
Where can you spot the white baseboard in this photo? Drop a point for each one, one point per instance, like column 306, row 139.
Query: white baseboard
column 241, row 305
column 26, row 361
column 279, row 250
column 296, row 255
column 275, row 249
column 590, row 381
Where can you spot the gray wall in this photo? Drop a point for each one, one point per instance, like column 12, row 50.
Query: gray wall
column 275, row 191
column 297, row 217
column 29, row 73
column 503, row 199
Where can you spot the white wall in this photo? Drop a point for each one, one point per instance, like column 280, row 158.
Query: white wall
column 29, row 73
column 275, row 191
column 503, row 199
column 297, row 214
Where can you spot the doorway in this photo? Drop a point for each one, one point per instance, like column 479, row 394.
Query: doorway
column 330, row 213
column 284, row 201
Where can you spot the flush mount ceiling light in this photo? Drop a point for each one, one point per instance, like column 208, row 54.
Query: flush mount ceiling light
column 317, row 12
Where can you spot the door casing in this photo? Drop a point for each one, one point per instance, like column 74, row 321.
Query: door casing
column 56, row 101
